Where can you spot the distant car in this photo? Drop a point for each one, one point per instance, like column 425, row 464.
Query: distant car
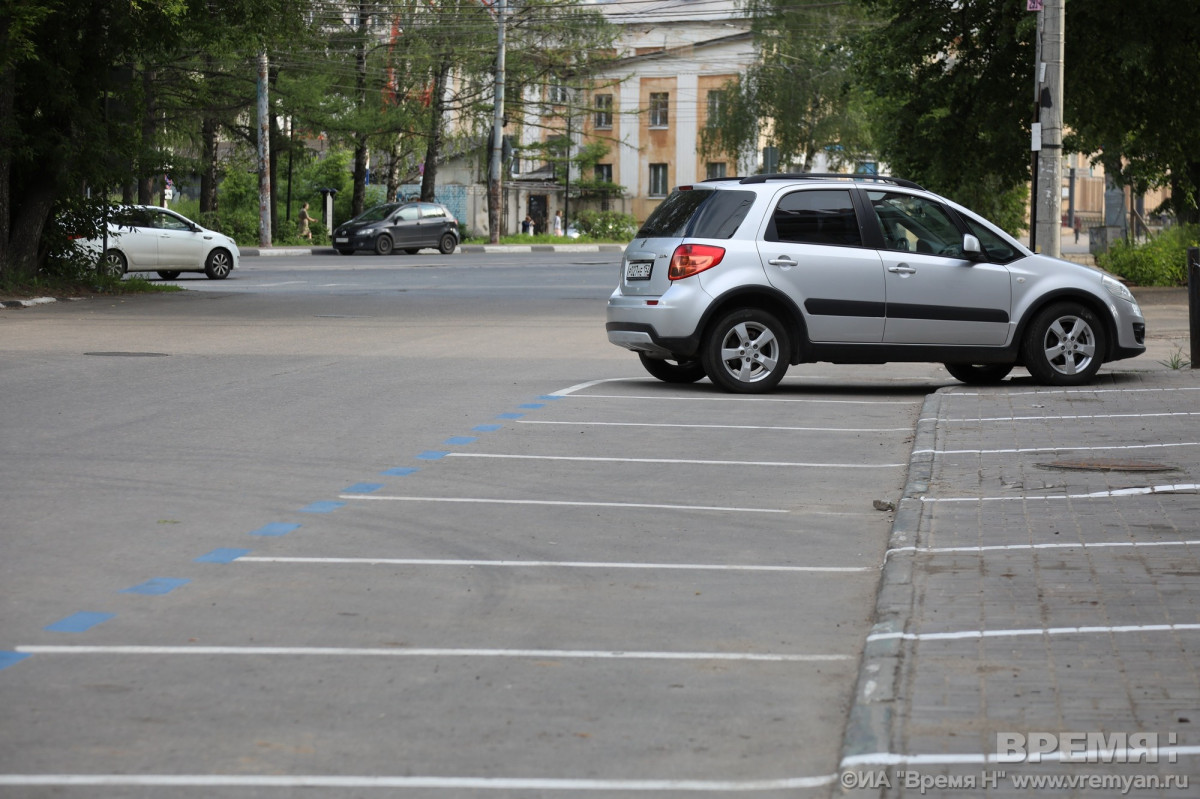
column 410, row 227
column 572, row 232
column 738, row 279
column 146, row 238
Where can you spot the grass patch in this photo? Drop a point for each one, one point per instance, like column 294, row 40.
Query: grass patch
column 77, row 286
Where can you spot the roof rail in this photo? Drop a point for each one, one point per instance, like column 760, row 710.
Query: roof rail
column 831, row 176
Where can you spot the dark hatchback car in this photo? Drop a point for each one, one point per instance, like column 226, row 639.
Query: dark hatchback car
column 409, row 227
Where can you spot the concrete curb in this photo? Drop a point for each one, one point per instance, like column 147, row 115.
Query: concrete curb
column 36, row 301
column 869, row 729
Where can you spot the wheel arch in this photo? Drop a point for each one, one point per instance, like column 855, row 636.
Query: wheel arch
column 767, row 299
column 1090, row 301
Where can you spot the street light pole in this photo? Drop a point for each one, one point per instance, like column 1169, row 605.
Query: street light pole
column 1050, row 101
column 495, row 197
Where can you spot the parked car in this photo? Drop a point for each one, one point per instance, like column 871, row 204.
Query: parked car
column 146, row 238
column 736, row 279
column 399, row 226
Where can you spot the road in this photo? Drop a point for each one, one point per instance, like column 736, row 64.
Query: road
column 413, row 524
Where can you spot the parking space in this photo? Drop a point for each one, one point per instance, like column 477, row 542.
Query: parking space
column 617, row 586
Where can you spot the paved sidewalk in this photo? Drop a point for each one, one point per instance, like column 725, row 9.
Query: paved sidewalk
column 1039, row 581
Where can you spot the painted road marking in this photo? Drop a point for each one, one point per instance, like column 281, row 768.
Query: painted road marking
column 79, row 622
column 157, row 586
column 561, row 503
column 729, row 427
column 678, row 461
column 558, row 564
column 1019, row 547
column 977, row 634
column 276, row 529
column 460, row 783
column 1180, row 488
column 223, row 555
column 539, row 654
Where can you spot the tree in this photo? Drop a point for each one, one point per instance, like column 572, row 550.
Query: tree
column 800, row 97
column 1130, row 94
column 953, row 86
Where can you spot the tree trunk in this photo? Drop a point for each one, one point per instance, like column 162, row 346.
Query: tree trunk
column 145, row 184
column 393, row 171
column 7, row 95
column 433, row 148
column 208, row 173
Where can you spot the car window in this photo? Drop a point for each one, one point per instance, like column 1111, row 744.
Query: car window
column 168, row 221
column 823, row 216
column 997, row 250
column 915, row 224
column 407, row 213
column 428, row 211
column 130, row 217
column 703, row 213
column 377, row 214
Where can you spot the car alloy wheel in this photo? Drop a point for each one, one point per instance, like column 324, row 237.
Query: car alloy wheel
column 114, row 264
column 219, row 265
column 1064, row 345
column 746, row 351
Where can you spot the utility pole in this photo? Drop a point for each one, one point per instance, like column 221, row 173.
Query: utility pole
column 495, row 196
column 264, row 154
column 1048, row 230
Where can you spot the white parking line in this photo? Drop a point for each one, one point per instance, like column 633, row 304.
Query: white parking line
column 727, row 427
column 559, row 503
column 1179, row 488
column 679, row 461
column 977, row 634
column 1019, row 547
column 537, row 654
column 459, row 783
column 556, row 564
column 1020, row 450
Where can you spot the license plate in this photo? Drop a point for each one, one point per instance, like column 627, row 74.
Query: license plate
column 341, row 241
column 638, row 270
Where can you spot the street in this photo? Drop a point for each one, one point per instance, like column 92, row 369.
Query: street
column 412, row 523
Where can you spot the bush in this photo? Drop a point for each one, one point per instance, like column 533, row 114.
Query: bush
column 606, row 225
column 1161, row 261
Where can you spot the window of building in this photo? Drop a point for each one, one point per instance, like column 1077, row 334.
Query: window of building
column 659, row 102
column 604, row 105
column 658, row 180
column 558, row 94
column 603, row 173
column 715, row 169
column 716, row 102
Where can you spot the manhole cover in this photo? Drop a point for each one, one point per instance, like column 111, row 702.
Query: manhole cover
column 1109, row 466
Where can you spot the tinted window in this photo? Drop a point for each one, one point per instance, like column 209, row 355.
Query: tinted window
column 702, row 213
column 407, row 214
column 824, row 216
column 431, row 210
column 376, row 214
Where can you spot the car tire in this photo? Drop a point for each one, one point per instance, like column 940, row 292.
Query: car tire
column 114, row 264
column 168, row 275
column 746, row 351
column 219, row 264
column 979, row 374
column 1064, row 345
column 448, row 244
column 673, row 371
column 383, row 245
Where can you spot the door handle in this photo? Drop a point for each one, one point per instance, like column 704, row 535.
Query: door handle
column 902, row 269
column 782, row 260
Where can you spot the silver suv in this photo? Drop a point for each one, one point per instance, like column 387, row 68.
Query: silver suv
column 737, row 279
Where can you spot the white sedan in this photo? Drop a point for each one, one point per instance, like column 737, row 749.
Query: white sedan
column 146, row 238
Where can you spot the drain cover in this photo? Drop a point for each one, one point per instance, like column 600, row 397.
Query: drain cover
column 1109, row 466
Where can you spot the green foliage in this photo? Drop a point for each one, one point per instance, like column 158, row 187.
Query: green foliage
column 1161, row 261
column 953, row 105
column 606, row 225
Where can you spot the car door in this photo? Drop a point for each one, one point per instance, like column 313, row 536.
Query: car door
column 180, row 246
column 811, row 247
column 132, row 231
column 934, row 294
column 433, row 224
column 405, row 227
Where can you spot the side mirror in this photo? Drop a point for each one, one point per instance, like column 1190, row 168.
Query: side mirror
column 971, row 247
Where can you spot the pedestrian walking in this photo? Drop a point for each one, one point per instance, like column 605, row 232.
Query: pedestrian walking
column 305, row 219
column 558, row 223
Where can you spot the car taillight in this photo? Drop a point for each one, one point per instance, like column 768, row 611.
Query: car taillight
column 692, row 259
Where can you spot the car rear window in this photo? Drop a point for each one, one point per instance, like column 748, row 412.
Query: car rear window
column 698, row 213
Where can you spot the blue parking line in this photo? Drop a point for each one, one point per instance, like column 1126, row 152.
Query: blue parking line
column 157, row 586
column 223, row 555
column 324, row 506
column 458, row 441
column 79, row 622
column 400, row 471
column 487, row 428
column 432, row 455
column 550, row 397
column 11, row 659
column 532, row 405
column 362, row 488
column 276, row 528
